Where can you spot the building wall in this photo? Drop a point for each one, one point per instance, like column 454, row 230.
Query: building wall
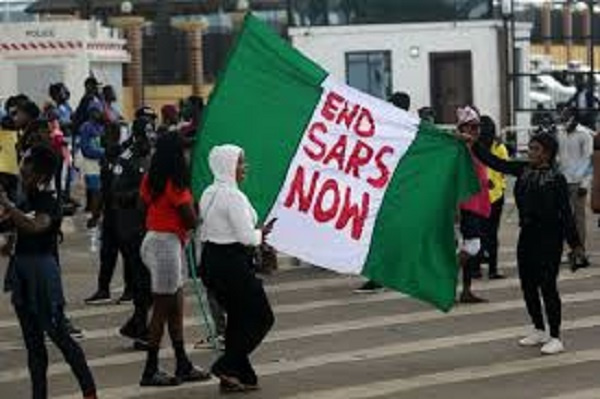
column 410, row 73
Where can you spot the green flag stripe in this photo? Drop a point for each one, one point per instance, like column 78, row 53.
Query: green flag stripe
column 263, row 101
column 413, row 248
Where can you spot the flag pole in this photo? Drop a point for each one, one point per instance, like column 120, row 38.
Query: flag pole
column 205, row 318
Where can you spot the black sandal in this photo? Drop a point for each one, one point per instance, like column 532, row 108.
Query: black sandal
column 159, row 379
column 193, row 374
column 231, row 385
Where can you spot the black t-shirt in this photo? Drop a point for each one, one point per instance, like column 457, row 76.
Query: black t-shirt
column 45, row 242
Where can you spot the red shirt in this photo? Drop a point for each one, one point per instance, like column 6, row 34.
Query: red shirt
column 163, row 215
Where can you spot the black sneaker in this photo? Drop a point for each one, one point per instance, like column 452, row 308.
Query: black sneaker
column 496, row 276
column 127, row 297
column 99, row 298
column 370, row 287
column 159, row 379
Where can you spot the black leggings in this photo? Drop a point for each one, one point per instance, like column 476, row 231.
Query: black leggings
column 37, row 355
column 109, row 255
column 539, row 255
column 227, row 272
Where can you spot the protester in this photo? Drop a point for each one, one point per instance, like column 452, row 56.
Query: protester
column 109, row 243
column 497, row 185
column 585, row 103
column 91, row 149
column 90, row 99
column 191, row 114
column 169, row 116
column 575, row 149
column 427, row 114
column 401, row 100
column 145, row 119
column 228, row 235
column 130, row 217
column 25, row 117
column 34, row 274
column 112, row 114
column 171, row 215
column 60, row 147
column 474, row 212
column 60, row 94
column 545, row 221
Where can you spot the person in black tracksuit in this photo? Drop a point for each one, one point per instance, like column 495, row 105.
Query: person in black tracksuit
column 109, row 249
column 546, row 220
column 130, row 226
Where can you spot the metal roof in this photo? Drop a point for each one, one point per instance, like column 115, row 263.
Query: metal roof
column 147, row 6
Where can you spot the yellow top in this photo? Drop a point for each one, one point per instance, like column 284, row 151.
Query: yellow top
column 497, row 179
column 8, row 152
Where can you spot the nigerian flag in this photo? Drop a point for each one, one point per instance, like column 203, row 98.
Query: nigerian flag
column 357, row 185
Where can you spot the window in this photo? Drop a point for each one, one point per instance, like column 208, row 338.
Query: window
column 370, row 72
column 341, row 12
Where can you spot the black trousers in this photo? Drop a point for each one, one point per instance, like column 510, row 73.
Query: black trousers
column 37, row 355
column 228, row 272
column 109, row 254
column 538, row 255
column 490, row 235
column 141, row 286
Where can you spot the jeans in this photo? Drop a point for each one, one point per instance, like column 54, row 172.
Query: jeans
column 37, row 355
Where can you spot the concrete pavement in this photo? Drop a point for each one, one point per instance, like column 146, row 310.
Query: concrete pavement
column 330, row 343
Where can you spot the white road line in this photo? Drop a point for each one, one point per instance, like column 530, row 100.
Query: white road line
column 395, row 350
column 592, row 393
column 279, row 288
column 341, row 281
column 110, row 333
column 465, row 374
column 330, row 329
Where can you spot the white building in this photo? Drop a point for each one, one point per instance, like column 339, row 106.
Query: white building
column 35, row 55
column 440, row 64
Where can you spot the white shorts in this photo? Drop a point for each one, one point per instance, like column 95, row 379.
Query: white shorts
column 162, row 253
column 470, row 246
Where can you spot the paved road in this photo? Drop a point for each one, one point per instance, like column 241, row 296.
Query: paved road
column 330, row 343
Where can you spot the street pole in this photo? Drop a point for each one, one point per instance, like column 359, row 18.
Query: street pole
column 591, row 78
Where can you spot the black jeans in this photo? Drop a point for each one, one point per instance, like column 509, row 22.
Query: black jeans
column 37, row 355
column 109, row 254
column 490, row 235
column 538, row 254
column 227, row 271
column 140, row 280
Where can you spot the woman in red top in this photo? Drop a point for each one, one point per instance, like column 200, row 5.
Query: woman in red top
column 170, row 216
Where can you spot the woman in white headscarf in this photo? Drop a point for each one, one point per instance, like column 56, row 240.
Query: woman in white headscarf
column 229, row 236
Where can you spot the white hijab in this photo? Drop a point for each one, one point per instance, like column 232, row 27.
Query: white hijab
column 216, row 199
column 223, row 161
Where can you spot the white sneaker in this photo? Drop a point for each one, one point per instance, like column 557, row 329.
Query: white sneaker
column 537, row 337
column 553, row 347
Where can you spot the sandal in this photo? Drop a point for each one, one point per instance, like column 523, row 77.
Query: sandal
column 231, row 385
column 159, row 379
column 192, row 374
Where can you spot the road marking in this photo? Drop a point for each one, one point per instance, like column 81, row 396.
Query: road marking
column 111, row 333
column 338, row 328
column 393, row 350
column 340, row 281
column 593, row 393
column 465, row 374
column 279, row 288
